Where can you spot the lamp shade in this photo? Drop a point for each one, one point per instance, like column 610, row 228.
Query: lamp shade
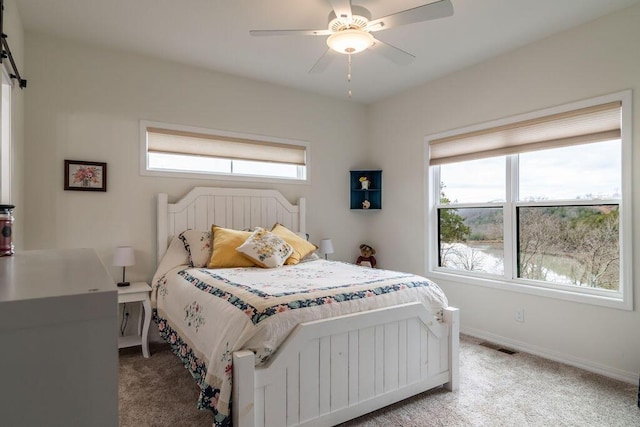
column 124, row 256
column 326, row 246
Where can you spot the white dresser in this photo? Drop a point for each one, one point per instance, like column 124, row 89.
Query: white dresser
column 58, row 340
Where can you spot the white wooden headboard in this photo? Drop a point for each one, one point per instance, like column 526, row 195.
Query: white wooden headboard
column 236, row 208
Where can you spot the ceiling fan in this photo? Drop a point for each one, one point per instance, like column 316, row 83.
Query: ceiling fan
column 350, row 27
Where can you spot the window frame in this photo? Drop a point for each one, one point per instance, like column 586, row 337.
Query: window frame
column 146, row 171
column 622, row 299
column 6, row 144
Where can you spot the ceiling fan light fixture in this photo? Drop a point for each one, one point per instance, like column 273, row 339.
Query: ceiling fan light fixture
column 350, row 41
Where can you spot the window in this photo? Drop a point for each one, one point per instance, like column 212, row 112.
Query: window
column 538, row 203
column 5, row 139
column 171, row 150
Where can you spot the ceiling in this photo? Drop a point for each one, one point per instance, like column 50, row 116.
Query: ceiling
column 215, row 34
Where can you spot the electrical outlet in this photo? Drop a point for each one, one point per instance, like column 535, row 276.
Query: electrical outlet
column 519, row 315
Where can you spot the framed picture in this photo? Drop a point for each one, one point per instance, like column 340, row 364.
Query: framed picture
column 85, row 176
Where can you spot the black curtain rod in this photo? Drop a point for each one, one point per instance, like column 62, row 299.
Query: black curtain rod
column 6, row 52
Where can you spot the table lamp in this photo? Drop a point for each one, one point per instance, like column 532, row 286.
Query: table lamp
column 123, row 257
column 326, row 247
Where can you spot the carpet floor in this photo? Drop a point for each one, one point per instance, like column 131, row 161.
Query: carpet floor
column 496, row 389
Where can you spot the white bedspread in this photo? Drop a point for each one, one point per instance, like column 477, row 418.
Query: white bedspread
column 209, row 314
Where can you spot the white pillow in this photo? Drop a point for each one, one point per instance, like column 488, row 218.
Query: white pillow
column 311, row 257
column 265, row 249
column 174, row 256
column 198, row 245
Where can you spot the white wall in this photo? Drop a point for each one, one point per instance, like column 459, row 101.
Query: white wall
column 85, row 103
column 15, row 37
column 595, row 59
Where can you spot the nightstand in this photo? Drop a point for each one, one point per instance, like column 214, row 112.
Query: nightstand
column 137, row 292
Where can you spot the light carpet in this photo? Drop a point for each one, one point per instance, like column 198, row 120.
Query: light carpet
column 496, row 389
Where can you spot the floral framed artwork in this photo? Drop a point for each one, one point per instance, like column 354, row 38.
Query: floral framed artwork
column 85, row 176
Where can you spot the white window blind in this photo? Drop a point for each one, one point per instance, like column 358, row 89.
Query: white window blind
column 592, row 124
column 170, row 141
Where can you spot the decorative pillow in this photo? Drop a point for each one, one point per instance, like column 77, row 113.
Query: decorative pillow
column 266, row 249
column 225, row 241
column 301, row 248
column 198, row 245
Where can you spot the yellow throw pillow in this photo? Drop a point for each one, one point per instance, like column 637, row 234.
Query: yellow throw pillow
column 301, row 247
column 266, row 249
column 224, row 254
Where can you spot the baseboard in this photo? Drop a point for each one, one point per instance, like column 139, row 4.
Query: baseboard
column 587, row 365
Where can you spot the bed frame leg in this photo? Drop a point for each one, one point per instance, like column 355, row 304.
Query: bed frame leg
column 452, row 318
column 242, row 398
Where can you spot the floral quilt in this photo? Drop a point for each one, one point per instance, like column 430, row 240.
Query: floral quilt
column 207, row 314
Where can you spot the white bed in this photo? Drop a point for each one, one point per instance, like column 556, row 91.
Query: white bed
column 330, row 370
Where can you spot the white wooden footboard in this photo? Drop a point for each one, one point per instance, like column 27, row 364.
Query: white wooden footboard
column 333, row 370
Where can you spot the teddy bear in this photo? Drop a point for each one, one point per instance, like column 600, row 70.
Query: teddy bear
column 366, row 258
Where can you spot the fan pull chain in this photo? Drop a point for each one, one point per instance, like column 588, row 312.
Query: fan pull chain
column 349, row 76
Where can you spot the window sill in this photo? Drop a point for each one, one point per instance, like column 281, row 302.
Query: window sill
column 221, row 177
column 616, row 301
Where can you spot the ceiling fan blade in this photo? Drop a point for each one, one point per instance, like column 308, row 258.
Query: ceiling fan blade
column 439, row 9
column 258, row 33
column 392, row 53
column 324, row 61
column 342, row 8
